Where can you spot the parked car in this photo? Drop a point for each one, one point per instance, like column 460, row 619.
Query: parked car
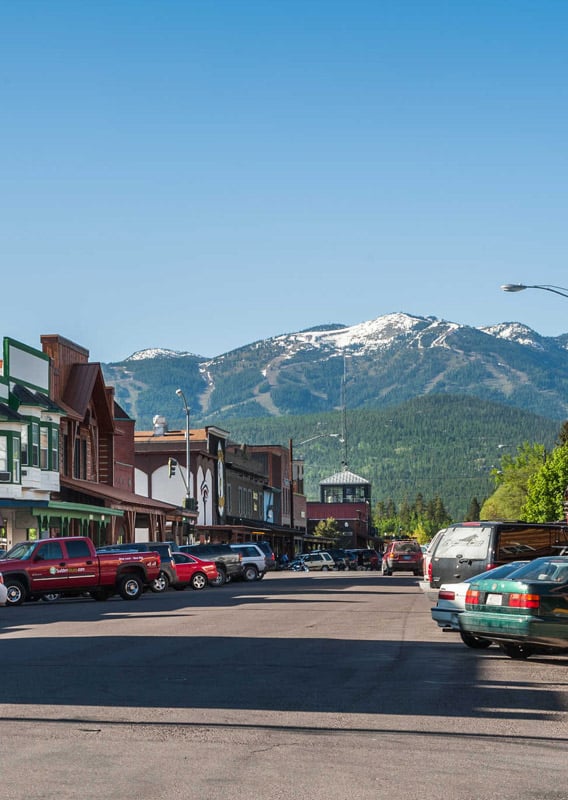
column 194, row 572
column 402, row 555
column 253, row 560
column 364, row 558
column 339, row 555
column 525, row 613
column 3, row 591
column 451, row 603
column 427, row 553
column 469, row 548
column 168, row 574
column 266, row 548
column 228, row 563
column 318, row 560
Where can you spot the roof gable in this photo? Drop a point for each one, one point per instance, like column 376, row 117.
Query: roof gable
column 85, row 385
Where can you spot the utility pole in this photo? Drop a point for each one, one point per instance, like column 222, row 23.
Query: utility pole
column 292, row 543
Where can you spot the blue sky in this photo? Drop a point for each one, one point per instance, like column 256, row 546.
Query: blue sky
column 200, row 174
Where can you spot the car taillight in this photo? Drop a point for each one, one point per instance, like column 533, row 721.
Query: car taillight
column 445, row 594
column 472, row 597
column 430, row 572
column 517, row 600
column 1, row 578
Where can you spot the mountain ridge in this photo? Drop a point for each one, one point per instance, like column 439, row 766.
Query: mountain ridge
column 373, row 364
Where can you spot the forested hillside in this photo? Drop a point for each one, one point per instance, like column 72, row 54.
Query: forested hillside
column 438, row 445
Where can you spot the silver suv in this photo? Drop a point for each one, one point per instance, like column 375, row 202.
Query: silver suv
column 253, row 560
column 318, row 560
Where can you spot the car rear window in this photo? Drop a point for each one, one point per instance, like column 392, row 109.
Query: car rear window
column 407, row 547
column 542, row 570
column 248, row 552
column 464, row 541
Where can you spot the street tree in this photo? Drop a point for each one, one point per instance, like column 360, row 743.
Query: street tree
column 327, row 527
column 511, row 479
column 547, row 489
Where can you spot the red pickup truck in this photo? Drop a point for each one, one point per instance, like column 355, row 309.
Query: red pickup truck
column 71, row 566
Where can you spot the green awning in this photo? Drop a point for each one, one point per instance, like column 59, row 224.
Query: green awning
column 67, row 511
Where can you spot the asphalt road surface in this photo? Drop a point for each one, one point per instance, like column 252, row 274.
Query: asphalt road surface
column 324, row 687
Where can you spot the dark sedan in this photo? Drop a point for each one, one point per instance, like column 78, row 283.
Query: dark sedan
column 525, row 615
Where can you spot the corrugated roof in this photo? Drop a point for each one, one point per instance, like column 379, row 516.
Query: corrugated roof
column 344, row 478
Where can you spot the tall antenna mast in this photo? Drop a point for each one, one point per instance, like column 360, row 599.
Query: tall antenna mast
column 344, row 411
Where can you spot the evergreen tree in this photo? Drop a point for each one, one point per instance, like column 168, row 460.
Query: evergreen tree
column 473, row 511
column 563, row 434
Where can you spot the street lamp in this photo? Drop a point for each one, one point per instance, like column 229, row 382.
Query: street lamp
column 188, row 503
column 319, row 436
column 519, row 287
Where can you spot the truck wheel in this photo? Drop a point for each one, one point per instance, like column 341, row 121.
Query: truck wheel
column 250, row 573
column 198, row 580
column 17, row 592
column 160, row 584
column 221, row 577
column 130, row 587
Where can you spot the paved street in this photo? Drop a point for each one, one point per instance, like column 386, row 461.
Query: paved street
column 298, row 686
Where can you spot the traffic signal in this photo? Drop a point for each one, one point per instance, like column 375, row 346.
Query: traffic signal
column 172, row 464
column 190, row 504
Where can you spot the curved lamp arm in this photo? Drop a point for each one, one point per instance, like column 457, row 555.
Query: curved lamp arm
column 519, row 287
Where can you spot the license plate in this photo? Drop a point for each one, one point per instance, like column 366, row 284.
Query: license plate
column 494, row 600
column 407, row 558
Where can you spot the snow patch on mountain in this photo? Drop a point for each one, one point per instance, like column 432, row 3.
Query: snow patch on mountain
column 515, row 332
column 382, row 333
column 156, row 352
column 357, row 339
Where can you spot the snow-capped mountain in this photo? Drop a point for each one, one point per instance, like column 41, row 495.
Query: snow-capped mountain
column 377, row 363
column 156, row 352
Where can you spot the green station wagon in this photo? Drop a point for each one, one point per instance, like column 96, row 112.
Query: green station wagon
column 525, row 615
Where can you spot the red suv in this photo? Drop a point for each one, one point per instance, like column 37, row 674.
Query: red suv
column 402, row 555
